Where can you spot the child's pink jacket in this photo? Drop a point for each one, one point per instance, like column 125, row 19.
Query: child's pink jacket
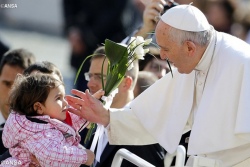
column 52, row 142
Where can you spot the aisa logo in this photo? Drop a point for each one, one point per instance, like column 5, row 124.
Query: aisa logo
column 9, row 6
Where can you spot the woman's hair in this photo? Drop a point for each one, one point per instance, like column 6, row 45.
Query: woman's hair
column 44, row 67
column 27, row 90
column 200, row 38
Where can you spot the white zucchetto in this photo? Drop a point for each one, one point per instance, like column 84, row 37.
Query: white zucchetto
column 186, row 17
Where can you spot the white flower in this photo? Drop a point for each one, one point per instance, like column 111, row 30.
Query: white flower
column 132, row 42
column 136, row 45
column 139, row 40
column 130, row 65
column 146, row 51
column 148, row 41
column 139, row 52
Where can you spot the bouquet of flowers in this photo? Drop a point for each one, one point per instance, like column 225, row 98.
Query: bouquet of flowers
column 120, row 59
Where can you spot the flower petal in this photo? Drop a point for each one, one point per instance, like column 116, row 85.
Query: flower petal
column 148, row 41
column 139, row 51
column 139, row 40
column 131, row 65
column 146, row 51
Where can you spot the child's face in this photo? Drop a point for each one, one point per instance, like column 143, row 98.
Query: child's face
column 55, row 104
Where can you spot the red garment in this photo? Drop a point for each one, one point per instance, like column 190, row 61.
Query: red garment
column 68, row 119
column 53, row 144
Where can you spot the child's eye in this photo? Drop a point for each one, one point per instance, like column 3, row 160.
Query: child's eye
column 8, row 84
column 58, row 98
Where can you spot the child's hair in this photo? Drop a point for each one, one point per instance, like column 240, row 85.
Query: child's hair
column 44, row 67
column 27, row 90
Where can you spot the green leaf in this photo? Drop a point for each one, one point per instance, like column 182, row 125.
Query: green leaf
column 118, row 58
column 114, row 51
column 80, row 68
column 89, row 133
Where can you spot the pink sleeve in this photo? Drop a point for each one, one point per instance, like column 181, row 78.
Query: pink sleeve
column 77, row 121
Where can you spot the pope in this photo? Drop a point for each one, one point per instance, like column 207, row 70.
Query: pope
column 208, row 94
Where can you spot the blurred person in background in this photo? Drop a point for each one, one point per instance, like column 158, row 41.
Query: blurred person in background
column 3, row 48
column 153, row 63
column 13, row 62
column 220, row 14
column 89, row 23
column 241, row 28
column 145, row 80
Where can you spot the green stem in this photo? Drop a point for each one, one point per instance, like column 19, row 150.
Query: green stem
column 90, row 132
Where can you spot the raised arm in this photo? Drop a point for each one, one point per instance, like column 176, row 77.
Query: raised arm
column 152, row 10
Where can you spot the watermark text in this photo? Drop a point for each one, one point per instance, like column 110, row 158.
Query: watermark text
column 11, row 162
column 8, row 6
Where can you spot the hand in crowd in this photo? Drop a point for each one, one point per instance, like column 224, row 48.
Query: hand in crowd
column 151, row 15
column 89, row 107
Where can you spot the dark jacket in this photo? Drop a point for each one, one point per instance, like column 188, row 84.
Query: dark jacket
column 2, row 148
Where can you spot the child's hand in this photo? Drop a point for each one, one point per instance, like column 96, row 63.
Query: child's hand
column 91, row 157
column 34, row 161
column 98, row 94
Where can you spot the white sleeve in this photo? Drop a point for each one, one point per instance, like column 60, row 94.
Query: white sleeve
column 126, row 129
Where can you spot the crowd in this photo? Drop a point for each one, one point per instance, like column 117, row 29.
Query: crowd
column 207, row 46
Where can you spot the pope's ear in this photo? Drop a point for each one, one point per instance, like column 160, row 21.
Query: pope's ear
column 191, row 47
column 38, row 108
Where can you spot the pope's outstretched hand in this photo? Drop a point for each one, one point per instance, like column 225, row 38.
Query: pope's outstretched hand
column 89, row 107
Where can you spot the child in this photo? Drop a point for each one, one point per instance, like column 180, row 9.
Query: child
column 45, row 67
column 40, row 124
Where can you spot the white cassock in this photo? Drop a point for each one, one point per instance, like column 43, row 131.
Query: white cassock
column 213, row 101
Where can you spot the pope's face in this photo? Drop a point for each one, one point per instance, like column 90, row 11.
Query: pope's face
column 175, row 52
